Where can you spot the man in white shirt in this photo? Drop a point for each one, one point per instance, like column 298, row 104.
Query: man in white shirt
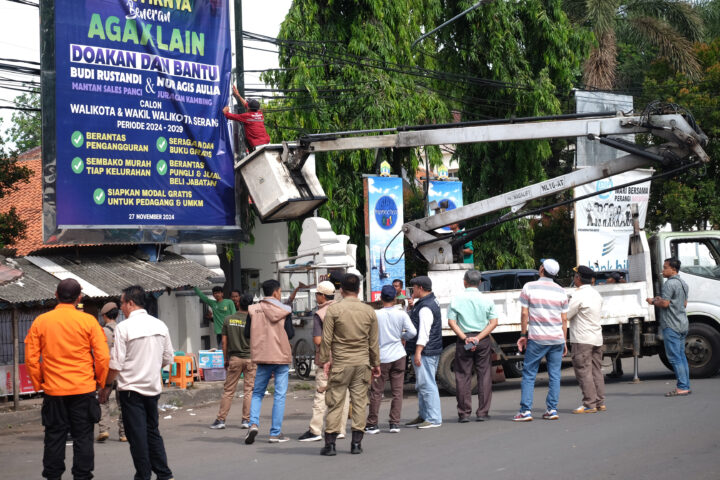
column 586, row 340
column 426, row 349
column 394, row 325
column 142, row 347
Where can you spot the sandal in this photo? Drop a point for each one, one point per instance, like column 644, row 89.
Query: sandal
column 675, row 393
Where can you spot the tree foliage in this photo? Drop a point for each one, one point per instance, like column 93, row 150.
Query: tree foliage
column 664, row 28
column 692, row 199
column 532, row 56
column 12, row 176
column 26, row 128
column 347, row 65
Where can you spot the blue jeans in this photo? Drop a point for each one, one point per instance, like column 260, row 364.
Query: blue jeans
column 533, row 354
column 428, row 394
column 262, row 377
column 675, row 351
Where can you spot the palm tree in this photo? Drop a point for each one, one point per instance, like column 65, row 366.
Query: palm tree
column 666, row 26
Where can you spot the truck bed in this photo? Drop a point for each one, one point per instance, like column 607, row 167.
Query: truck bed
column 621, row 301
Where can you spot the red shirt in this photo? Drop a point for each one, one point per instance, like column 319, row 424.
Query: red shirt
column 254, row 126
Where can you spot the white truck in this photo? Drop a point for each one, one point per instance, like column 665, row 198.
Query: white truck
column 629, row 324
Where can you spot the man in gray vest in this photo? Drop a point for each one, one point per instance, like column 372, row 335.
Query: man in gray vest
column 425, row 350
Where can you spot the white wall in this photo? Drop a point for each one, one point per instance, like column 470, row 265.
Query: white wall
column 182, row 313
column 271, row 243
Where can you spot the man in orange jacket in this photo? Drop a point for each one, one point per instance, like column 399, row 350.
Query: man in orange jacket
column 74, row 365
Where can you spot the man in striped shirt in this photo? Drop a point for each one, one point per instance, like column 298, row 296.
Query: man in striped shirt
column 543, row 332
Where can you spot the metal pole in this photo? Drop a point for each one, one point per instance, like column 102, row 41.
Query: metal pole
column 636, row 349
column 16, row 361
column 239, row 60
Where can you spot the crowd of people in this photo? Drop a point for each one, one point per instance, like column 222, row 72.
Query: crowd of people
column 359, row 350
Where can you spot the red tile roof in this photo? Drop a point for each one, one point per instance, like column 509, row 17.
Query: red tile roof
column 27, row 201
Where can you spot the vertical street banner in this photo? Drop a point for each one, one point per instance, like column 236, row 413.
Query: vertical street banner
column 384, row 238
column 445, row 190
column 141, row 140
column 603, row 223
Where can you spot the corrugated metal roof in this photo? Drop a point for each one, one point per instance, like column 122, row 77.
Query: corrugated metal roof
column 8, row 274
column 108, row 273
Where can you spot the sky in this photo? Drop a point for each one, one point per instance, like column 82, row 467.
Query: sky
column 20, row 39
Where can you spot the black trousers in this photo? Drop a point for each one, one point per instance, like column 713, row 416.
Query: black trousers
column 140, row 417
column 78, row 415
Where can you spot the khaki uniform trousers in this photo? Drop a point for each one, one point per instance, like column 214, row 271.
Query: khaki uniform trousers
column 238, row 366
column 356, row 379
column 105, row 421
column 319, row 407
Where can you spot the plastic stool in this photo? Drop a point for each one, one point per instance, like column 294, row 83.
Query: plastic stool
column 181, row 375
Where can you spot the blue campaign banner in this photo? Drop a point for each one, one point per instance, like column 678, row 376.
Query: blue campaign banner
column 141, row 137
column 445, row 190
column 384, row 223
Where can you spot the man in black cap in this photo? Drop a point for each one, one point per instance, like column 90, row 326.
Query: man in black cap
column 425, row 350
column 586, row 340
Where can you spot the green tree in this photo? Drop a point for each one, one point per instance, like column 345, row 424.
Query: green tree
column 528, row 56
column 664, row 28
column 348, row 65
column 12, row 176
column 692, row 199
column 26, row 128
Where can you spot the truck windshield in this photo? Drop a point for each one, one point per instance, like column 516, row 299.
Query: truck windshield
column 698, row 256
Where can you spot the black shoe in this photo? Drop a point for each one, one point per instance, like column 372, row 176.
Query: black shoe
column 252, row 433
column 355, row 446
column 309, row 437
column 463, row 420
column 328, row 450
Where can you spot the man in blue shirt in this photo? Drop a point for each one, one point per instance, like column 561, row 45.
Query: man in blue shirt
column 472, row 317
column 674, row 324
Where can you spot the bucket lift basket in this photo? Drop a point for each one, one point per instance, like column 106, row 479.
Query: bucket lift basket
column 280, row 193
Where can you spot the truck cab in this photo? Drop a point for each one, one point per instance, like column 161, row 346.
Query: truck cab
column 699, row 255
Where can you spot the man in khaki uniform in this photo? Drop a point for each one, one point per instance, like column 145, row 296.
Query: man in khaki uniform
column 325, row 297
column 350, row 338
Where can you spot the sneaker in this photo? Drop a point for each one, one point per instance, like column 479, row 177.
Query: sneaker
column 309, row 437
column 427, row 424
column 252, row 433
column 463, row 420
column 551, row 415
column 278, row 439
column 525, row 416
column 584, row 409
column 102, row 437
column 602, row 408
column 483, row 418
column 372, row 429
column 245, row 425
column 123, row 438
column 394, row 428
column 415, row 423
column 218, row 425
column 340, row 436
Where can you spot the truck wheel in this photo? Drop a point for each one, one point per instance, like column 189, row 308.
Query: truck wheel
column 702, row 348
column 446, row 373
column 513, row 368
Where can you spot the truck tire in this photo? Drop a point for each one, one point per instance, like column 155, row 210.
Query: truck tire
column 702, row 348
column 513, row 368
column 446, row 373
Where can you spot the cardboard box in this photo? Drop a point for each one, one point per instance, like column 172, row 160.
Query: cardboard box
column 211, row 359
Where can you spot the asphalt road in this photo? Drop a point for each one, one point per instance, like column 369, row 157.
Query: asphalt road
column 643, row 435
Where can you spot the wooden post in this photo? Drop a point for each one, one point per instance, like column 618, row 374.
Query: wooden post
column 16, row 361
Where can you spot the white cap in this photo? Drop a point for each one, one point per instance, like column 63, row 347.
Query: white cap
column 326, row 288
column 551, row 266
